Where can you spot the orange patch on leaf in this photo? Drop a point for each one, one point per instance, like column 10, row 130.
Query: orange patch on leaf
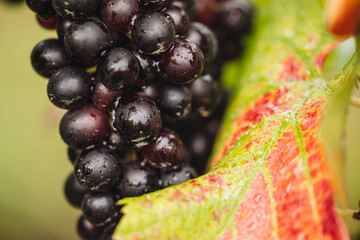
column 295, row 215
column 268, row 104
column 147, row 203
column 332, row 226
column 253, row 217
column 226, row 235
column 179, row 196
column 292, row 70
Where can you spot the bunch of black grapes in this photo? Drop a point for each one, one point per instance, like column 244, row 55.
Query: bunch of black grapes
column 139, row 79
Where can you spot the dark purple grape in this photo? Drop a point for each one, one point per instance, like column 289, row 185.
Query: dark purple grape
column 84, row 127
column 73, row 154
column 119, row 69
column 74, row 192
column 76, row 8
column 49, row 24
column 86, row 40
column 152, row 92
column 204, row 38
column 205, row 94
column 174, row 102
column 188, row 5
column 230, row 49
column 206, row 11
column 179, row 175
column 138, row 120
column 88, row 231
column 165, row 151
column 100, row 208
column 153, row 33
column 182, row 63
column 104, row 98
column 180, row 19
column 138, row 179
column 99, row 169
column 148, row 69
column 43, row 8
column 235, row 16
column 69, row 87
column 62, row 26
column 118, row 15
column 154, row 4
column 48, row 56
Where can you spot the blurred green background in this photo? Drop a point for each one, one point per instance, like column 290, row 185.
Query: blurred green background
column 33, row 161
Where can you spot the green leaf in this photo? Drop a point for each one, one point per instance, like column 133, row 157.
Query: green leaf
column 277, row 163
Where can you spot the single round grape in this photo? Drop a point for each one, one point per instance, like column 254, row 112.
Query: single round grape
column 174, row 103
column 118, row 15
column 205, row 94
column 154, row 4
column 100, row 208
column 49, row 24
column 165, row 151
column 206, row 11
column 152, row 92
column 138, row 179
column 99, row 169
column 180, row 19
column 204, row 38
column 182, row 63
column 69, row 88
column 73, row 154
column 235, row 16
column 138, row 120
column 62, row 26
column 104, row 98
column 148, row 69
column 74, row 192
column 179, row 175
column 87, row 230
column 76, row 8
column 86, row 40
column 48, row 56
column 84, row 127
column 119, row 69
column 153, row 33
column 188, row 5
column 43, row 8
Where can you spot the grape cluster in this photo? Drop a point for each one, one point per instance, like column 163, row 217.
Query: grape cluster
column 144, row 105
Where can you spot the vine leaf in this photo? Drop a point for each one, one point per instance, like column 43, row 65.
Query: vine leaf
column 277, row 164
